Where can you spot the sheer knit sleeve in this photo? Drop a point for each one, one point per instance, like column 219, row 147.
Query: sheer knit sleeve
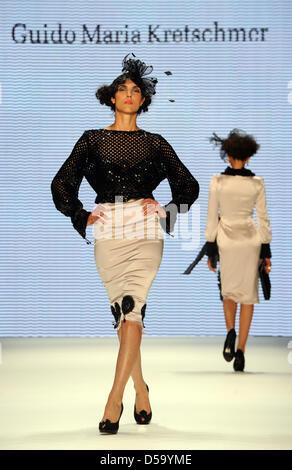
column 66, row 183
column 263, row 221
column 184, row 186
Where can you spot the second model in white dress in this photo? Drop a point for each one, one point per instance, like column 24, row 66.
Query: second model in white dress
column 230, row 222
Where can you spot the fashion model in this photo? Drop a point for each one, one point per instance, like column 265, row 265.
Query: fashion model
column 124, row 164
column 241, row 244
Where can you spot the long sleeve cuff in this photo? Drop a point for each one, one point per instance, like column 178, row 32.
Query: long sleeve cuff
column 265, row 251
column 211, row 249
column 168, row 222
column 79, row 221
column 183, row 204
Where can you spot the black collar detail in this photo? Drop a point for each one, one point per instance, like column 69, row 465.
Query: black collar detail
column 238, row 171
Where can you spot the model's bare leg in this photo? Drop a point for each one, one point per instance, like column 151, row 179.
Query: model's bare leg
column 230, row 308
column 142, row 396
column 129, row 347
column 246, row 313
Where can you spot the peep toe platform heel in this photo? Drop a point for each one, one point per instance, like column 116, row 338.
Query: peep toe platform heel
column 143, row 417
column 107, row 427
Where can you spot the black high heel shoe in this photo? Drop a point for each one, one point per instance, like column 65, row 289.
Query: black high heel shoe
column 229, row 345
column 239, row 361
column 143, row 417
column 108, row 427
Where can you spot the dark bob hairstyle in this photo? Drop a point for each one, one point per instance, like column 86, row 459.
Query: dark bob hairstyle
column 106, row 92
column 237, row 145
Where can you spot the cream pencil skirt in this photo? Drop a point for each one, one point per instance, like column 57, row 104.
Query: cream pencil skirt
column 128, row 250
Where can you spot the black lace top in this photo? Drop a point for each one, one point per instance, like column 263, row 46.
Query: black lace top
column 128, row 164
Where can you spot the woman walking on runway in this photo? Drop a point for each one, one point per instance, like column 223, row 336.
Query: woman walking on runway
column 124, row 164
column 232, row 231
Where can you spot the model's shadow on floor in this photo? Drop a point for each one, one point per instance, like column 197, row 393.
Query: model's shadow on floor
column 90, row 438
column 132, row 436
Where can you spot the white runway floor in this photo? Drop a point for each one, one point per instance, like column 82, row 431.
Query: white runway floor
column 53, row 393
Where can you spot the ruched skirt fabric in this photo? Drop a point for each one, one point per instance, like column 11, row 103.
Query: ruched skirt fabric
column 128, row 250
column 239, row 248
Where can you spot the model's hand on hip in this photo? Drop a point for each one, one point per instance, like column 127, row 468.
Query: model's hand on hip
column 97, row 214
column 150, row 206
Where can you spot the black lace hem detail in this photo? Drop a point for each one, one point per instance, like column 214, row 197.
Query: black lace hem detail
column 143, row 312
column 128, row 305
column 116, row 311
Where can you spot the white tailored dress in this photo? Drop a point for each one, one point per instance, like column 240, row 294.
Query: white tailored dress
column 233, row 195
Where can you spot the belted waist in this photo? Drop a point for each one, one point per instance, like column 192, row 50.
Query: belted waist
column 102, row 198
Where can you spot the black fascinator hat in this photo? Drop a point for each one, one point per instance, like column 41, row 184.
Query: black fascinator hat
column 238, row 144
column 138, row 72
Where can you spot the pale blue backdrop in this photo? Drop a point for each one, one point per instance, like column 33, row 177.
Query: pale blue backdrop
column 231, row 67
